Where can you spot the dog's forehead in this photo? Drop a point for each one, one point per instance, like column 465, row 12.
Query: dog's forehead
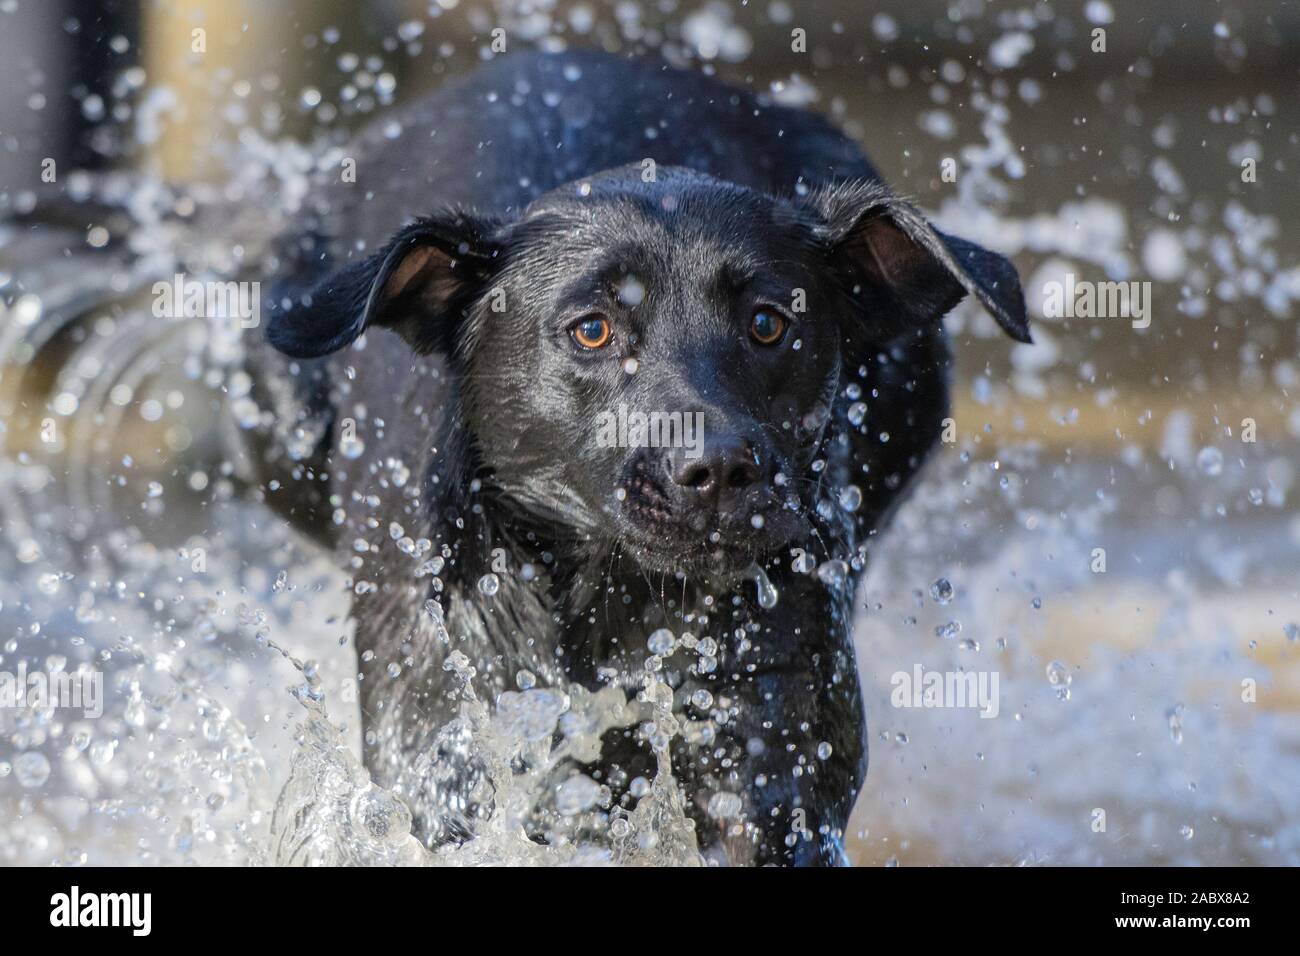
column 673, row 203
column 683, row 229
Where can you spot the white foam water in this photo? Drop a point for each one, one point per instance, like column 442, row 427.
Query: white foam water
column 330, row 812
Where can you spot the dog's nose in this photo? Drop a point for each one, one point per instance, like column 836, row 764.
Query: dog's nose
column 720, row 476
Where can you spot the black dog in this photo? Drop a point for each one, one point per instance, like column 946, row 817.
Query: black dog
column 524, row 253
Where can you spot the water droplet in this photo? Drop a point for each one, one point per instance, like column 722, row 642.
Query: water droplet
column 631, row 292
column 725, row 805
column 102, row 752
column 823, row 751
column 941, row 591
column 767, row 592
column 1058, row 675
column 851, row 498
column 433, row 567
column 661, row 642
column 1175, row 717
column 31, row 769
column 489, row 584
column 1210, row 461
column 351, row 447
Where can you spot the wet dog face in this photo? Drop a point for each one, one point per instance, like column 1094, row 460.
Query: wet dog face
column 655, row 364
column 678, row 350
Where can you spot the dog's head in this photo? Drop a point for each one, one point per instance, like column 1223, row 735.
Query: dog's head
column 655, row 363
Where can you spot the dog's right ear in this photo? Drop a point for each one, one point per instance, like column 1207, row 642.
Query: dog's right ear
column 418, row 285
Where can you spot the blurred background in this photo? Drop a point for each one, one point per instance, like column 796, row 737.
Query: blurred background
column 1147, row 141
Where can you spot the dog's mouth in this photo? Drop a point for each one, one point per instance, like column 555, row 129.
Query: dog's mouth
column 666, row 539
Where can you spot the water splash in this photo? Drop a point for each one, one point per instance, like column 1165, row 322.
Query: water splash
column 330, row 812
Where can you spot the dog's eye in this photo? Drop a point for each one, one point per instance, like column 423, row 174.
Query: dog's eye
column 593, row 332
column 767, row 327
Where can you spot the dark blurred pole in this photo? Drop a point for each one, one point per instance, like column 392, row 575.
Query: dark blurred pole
column 101, row 39
column 60, row 58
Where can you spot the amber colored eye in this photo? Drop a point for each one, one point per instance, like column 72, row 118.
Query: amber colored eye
column 767, row 327
column 593, row 332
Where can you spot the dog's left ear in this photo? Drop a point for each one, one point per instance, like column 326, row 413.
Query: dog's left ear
column 920, row 272
column 419, row 284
